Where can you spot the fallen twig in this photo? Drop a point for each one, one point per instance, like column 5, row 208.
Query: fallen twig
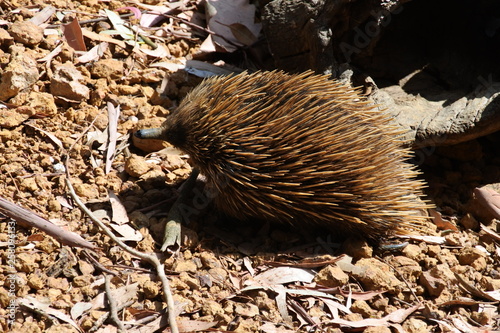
column 105, row 316
column 30, row 219
column 113, row 310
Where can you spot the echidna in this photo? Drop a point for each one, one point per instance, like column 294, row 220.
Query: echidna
column 300, row 149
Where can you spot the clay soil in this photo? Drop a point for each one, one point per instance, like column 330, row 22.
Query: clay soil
column 228, row 276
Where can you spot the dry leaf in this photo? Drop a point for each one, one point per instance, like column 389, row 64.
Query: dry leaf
column 226, row 18
column 153, row 15
column 395, row 317
column 43, row 15
column 119, row 25
column 93, row 54
column 160, row 52
column 333, row 306
column 52, row 54
column 203, row 69
column 170, row 66
column 27, row 217
column 120, row 215
column 488, row 295
column 103, row 38
column 490, row 199
column 462, row 324
column 281, row 303
column 236, row 281
column 248, row 265
column 490, row 232
column 428, row 239
column 37, row 306
column 312, row 262
column 301, row 314
column 136, row 11
column 242, row 34
column 79, row 309
column 463, row 301
column 126, row 232
column 283, row 275
column 441, row 223
column 74, row 36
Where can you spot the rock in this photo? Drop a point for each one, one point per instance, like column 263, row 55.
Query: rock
column 482, row 317
column 53, row 294
column 469, row 222
column 249, row 325
column 408, row 268
column 377, row 329
column 172, row 162
column 357, row 248
column 29, row 184
column 36, row 281
column 185, row 266
column 246, row 310
column 434, row 286
column 139, row 218
column 21, row 73
column 85, row 268
column 26, row 262
column 193, row 284
column 87, row 191
column 42, row 102
column 61, row 283
column 5, row 38
column 363, row 308
column 110, row 69
column 472, row 257
column 447, row 258
column 414, row 325
column 54, row 205
column 209, row 260
column 437, row 279
column 67, row 83
column 354, row 317
column 433, row 250
column 136, row 166
column 12, row 118
column 218, row 274
column 189, row 237
column 412, row 251
column 490, row 284
column 375, row 275
column 331, row 276
column 83, row 280
column 26, row 33
column 151, row 289
column 444, row 272
column 152, row 75
column 380, row 303
column 212, row 308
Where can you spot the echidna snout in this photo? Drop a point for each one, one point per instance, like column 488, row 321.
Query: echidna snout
column 149, row 133
column 299, row 149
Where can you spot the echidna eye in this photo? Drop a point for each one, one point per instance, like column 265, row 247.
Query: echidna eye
column 176, row 135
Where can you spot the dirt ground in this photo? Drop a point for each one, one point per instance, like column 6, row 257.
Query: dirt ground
column 227, row 276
